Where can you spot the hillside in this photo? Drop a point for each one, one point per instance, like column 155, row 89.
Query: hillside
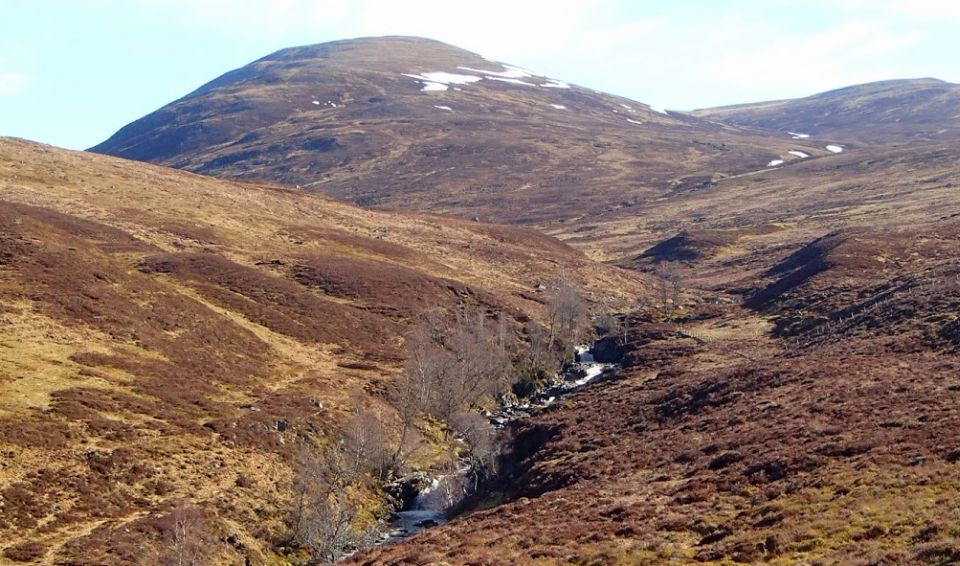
column 744, row 223
column 167, row 337
column 819, row 425
column 361, row 120
column 789, row 391
column 416, row 124
column 898, row 111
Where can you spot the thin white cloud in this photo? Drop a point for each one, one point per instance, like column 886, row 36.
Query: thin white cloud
column 11, row 83
column 937, row 11
column 676, row 55
column 497, row 27
column 848, row 53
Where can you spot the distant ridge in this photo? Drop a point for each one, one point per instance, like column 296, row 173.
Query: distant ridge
column 924, row 109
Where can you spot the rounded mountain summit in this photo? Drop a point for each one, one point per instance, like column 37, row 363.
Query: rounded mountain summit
column 414, row 123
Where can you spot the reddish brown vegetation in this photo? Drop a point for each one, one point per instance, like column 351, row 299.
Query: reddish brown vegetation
column 151, row 358
column 277, row 303
column 489, row 158
column 835, row 444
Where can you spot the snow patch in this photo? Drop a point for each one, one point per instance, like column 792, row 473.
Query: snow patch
column 659, row 109
column 447, row 108
column 559, row 106
column 775, row 163
column 797, row 136
column 510, row 73
column 445, row 78
column 554, row 83
column 799, row 154
column 627, row 106
column 637, row 122
column 512, row 81
column 315, row 102
column 834, row 148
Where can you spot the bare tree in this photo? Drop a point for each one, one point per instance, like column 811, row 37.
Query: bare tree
column 609, row 326
column 537, row 363
column 187, row 533
column 452, row 364
column 669, row 289
column 366, row 443
column 477, row 366
column 538, row 350
column 480, row 435
column 412, row 391
column 326, row 502
column 567, row 317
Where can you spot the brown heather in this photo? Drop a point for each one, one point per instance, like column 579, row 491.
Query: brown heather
column 157, row 325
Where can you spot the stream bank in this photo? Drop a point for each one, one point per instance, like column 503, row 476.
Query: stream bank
column 434, row 499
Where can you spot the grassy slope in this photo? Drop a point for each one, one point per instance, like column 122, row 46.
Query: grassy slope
column 156, row 326
column 893, row 186
column 821, row 427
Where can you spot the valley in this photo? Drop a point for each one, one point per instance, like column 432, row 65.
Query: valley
column 292, row 299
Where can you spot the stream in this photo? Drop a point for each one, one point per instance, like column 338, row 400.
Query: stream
column 430, row 506
column 443, row 492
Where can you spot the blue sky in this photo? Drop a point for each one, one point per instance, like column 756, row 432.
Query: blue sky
column 74, row 71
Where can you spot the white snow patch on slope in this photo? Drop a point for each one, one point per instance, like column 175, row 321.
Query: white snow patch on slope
column 315, row 102
column 638, row 122
column 799, row 154
column 554, row 83
column 512, row 81
column 834, row 148
column 659, row 109
column 627, row 106
column 445, row 78
column 797, row 136
column 559, row 106
column 439, row 107
column 441, row 80
column 775, row 163
column 510, row 73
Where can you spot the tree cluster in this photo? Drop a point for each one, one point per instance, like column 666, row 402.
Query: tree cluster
column 329, row 485
column 550, row 347
column 453, row 364
column 457, row 363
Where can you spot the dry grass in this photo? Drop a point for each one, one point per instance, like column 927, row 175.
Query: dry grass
column 157, row 325
column 747, row 436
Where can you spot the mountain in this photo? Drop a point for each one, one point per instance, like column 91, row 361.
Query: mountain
column 788, row 391
column 165, row 335
column 416, row 124
column 898, row 111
